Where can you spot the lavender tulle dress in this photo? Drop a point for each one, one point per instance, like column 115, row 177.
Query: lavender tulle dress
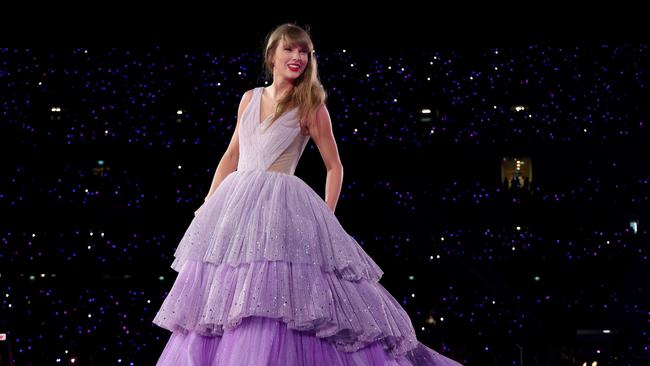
column 267, row 276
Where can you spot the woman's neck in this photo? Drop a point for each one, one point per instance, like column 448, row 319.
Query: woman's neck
column 278, row 89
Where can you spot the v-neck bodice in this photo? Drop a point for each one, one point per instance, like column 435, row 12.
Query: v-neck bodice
column 269, row 145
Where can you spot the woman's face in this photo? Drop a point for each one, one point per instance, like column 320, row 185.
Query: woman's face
column 289, row 62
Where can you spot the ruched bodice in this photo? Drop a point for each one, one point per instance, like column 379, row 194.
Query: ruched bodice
column 269, row 145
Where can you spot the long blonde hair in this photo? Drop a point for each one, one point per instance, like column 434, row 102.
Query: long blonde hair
column 307, row 93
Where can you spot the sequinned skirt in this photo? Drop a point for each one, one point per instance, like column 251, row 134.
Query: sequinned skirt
column 267, row 276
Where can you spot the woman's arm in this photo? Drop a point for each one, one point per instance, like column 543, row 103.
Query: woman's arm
column 321, row 132
column 230, row 158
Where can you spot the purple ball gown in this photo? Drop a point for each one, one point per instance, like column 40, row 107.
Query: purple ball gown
column 267, row 275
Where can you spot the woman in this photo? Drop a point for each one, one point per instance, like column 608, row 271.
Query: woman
column 267, row 275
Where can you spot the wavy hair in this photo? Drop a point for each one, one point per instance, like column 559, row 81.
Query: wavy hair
column 307, row 92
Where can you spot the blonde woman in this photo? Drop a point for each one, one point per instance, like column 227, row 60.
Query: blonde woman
column 267, row 275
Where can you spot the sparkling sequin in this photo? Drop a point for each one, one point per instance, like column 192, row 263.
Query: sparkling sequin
column 267, row 245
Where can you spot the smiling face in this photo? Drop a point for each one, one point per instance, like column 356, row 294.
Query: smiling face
column 289, row 61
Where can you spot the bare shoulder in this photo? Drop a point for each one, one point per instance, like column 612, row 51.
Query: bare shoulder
column 320, row 118
column 233, row 148
column 323, row 136
column 320, row 125
column 245, row 100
